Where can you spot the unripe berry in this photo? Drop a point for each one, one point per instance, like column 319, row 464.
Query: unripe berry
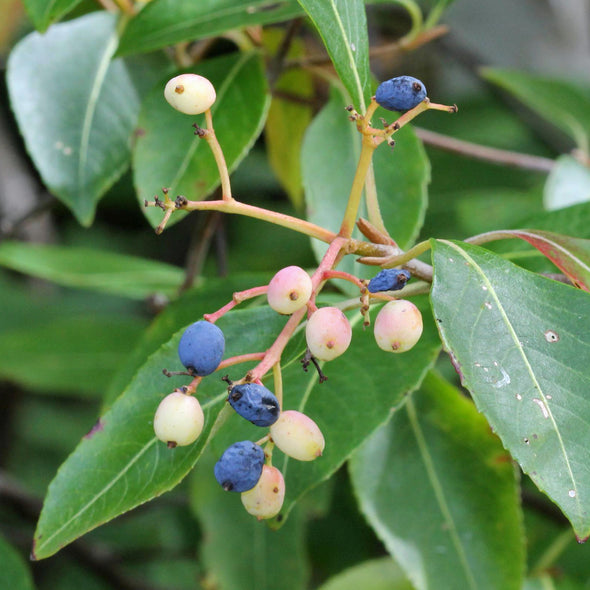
column 255, row 403
column 298, row 436
column 398, row 326
column 328, row 333
column 400, row 94
column 265, row 499
column 190, row 94
column 289, row 290
column 201, row 347
column 240, row 466
column 179, row 419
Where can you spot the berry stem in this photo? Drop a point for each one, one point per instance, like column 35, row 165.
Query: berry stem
column 340, row 274
column 237, row 298
column 242, row 358
column 213, row 143
column 278, row 383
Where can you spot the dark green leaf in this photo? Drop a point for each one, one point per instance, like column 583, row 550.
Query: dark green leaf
column 168, row 153
column 342, row 25
column 76, row 112
column 377, row 574
column 441, row 493
column 43, row 13
column 106, row 272
column 567, row 184
column 167, row 22
column 561, row 102
column 521, row 344
column 14, row 572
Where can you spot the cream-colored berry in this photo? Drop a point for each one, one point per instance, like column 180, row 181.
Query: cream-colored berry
column 179, row 419
column 265, row 499
column 298, row 436
column 328, row 333
column 190, row 94
column 398, row 326
column 289, row 290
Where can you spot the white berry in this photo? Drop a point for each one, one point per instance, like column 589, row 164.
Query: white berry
column 328, row 333
column 190, row 94
column 265, row 499
column 298, row 436
column 289, row 290
column 398, row 326
column 179, row 419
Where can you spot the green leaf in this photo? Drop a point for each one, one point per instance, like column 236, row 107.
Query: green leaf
column 342, row 25
column 75, row 108
column 261, row 559
column 44, row 13
column 377, row 574
column 329, row 158
column 168, row 153
column 561, row 102
column 120, row 463
column 441, row 493
column 14, row 572
column 567, row 184
column 167, row 22
column 106, row 272
column 520, row 343
column 69, row 354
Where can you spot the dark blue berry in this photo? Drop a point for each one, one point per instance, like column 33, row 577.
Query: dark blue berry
column 389, row 279
column 240, row 467
column 255, row 403
column 201, row 348
column 400, row 94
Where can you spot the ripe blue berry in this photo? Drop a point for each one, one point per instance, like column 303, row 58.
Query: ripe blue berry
column 255, row 403
column 240, row 467
column 389, row 279
column 201, row 348
column 400, row 94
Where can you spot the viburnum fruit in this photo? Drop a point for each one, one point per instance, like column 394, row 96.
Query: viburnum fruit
column 389, row 279
column 201, row 348
column 400, row 94
column 298, row 436
column 179, row 419
column 289, row 290
column 240, row 466
column 254, row 402
column 328, row 333
column 190, row 94
column 265, row 499
column 398, row 326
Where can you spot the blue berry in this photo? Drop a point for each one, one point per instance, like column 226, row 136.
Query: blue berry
column 255, row 403
column 389, row 279
column 400, row 94
column 201, row 348
column 240, row 467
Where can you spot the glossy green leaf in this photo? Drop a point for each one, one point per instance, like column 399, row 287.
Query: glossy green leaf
column 329, row 158
column 14, row 572
column 342, row 25
column 240, row 553
column 73, row 354
column 441, row 494
column 167, row 22
column 120, row 463
column 75, row 107
column 567, row 184
column 564, row 103
column 106, row 272
column 377, row 574
column 520, row 343
column 167, row 153
column 43, row 13
column 570, row 255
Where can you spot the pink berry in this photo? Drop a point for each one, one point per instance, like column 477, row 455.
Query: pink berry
column 179, row 419
column 398, row 326
column 265, row 499
column 190, row 94
column 298, row 436
column 328, row 333
column 289, row 290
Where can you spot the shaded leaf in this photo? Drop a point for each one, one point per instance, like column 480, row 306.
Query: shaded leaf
column 567, row 184
column 342, row 25
column 76, row 115
column 168, row 153
column 561, row 102
column 520, row 343
column 106, row 272
column 14, row 572
column 43, row 13
column 168, row 22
